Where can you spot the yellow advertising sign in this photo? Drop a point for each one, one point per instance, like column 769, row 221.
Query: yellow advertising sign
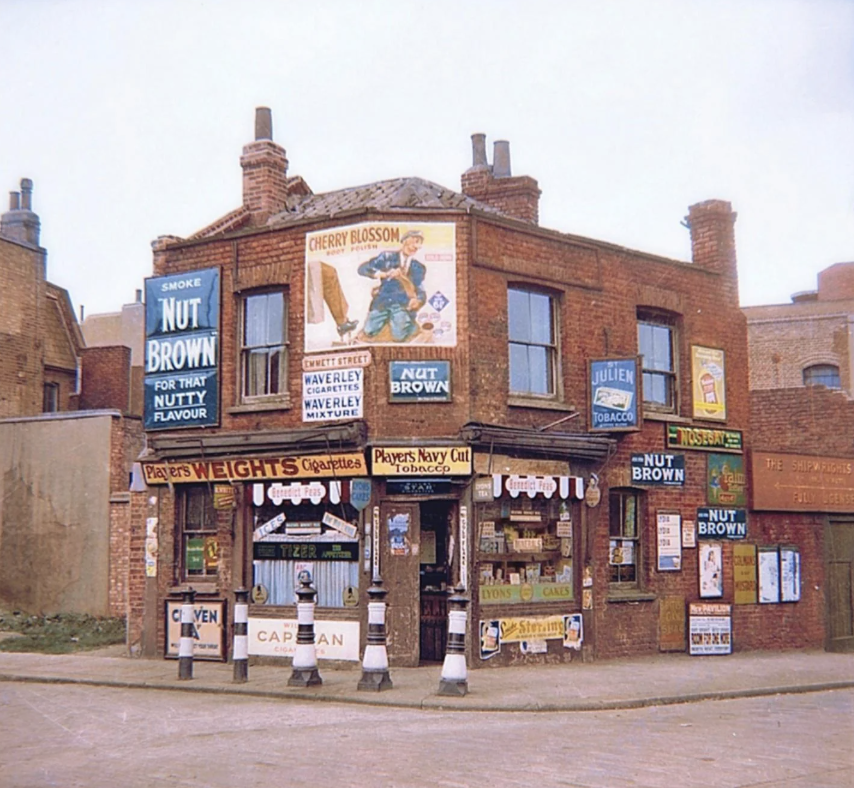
column 255, row 469
column 515, row 630
column 744, row 574
column 708, row 383
column 421, row 461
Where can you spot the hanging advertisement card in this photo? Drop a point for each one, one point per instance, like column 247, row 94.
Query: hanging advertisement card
column 769, row 575
column 744, row 574
column 614, row 394
column 790, row 574
column 727, row 481
column 669, row 541
column 710, row 629
column 689, row 533
column 490, row 643
column 711, row 570
column 709, row 383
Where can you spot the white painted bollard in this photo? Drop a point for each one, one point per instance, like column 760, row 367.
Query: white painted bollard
column 454, row 679
column 185, row 646
column 305, row 672
column 240, row 651
column 375, row 674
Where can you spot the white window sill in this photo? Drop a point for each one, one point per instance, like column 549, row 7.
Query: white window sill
column 535, row 402
column 261, row 405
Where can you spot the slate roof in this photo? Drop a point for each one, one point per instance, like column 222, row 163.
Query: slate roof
column 395, row 194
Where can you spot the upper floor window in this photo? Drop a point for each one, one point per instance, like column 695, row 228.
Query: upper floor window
column 533, row 342
column 822, row 375
column 51, row 398
column 264, row 350
column 656, row 344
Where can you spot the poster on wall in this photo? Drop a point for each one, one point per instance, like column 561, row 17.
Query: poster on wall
column 744, row 574
column 769, row 576
column 727, row 481
column 181, row 383
column 790, row 574
column 709, row 383
column 710, row 628
column 614, row 394
column 711, row 570
column 669, row 541
column 381, row 283
column 399, row 539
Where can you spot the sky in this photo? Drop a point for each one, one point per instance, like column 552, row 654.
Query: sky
column 130, row 117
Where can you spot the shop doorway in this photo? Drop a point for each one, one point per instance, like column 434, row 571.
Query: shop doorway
column 417, row 557
column 839, row 538
column 435, row 560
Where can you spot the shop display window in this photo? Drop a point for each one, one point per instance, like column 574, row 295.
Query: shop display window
column 525, row 551
column 290, row 538
column 199, row 540
column 624, row 531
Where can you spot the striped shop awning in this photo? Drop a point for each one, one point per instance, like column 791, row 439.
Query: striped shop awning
column 547, row 486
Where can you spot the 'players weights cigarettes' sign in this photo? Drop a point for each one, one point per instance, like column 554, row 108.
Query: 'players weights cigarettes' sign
column 181, row 350
column 332, row 394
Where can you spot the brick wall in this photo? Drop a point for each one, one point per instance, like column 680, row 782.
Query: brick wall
column 22, row 318
column 782, row 347
column 106, row 382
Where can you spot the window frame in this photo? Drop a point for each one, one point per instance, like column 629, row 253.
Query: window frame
column 209, row 528
column 660, row 319
column 50, row 397
column 552, row 375
column 616, row 499
column 825, row 366
column 245, row 351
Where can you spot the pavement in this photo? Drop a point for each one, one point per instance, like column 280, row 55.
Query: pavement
column 578, row 686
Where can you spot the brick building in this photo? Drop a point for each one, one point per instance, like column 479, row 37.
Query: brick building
column 66, row 440
column 802, row 422
column 403, row 380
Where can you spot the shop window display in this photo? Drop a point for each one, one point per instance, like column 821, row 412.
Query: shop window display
column 525, row 551
column 289, row 538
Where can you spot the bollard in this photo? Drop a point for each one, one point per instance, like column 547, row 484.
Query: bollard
column 454, row 679
column 240, row 651
column 375, row 662
column 305, row 658
column 185, row 647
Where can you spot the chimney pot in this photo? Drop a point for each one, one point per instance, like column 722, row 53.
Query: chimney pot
column 138, row 296
column 478, row 150
column 14, row 201
column 26, row 194
column 263, row 123
column 501, row 159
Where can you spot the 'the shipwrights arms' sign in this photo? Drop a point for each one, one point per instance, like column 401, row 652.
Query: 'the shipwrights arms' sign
column 181, row 350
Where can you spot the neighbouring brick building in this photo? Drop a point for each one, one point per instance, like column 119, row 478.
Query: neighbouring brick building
column 401, row 380
column 802, row 423
column 67, row 441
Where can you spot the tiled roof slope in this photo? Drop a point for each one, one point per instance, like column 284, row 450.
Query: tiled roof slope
column 396, row 194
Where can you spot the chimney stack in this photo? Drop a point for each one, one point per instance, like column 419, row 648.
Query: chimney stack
column 517, row 197
column 501, row 159
column 712, row 227
column 263, row 123
column 20, row 223
column 265, row 171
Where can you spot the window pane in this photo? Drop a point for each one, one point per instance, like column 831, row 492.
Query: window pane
column 519, row 315
column 520, row 375
column 539, row 370
column 541, row 319
column 654, row 342
column 275, row 319
column 656, row 388
column 822, row 375
column 255, row 321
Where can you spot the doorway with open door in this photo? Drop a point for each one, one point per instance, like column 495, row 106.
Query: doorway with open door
column 436, row 558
